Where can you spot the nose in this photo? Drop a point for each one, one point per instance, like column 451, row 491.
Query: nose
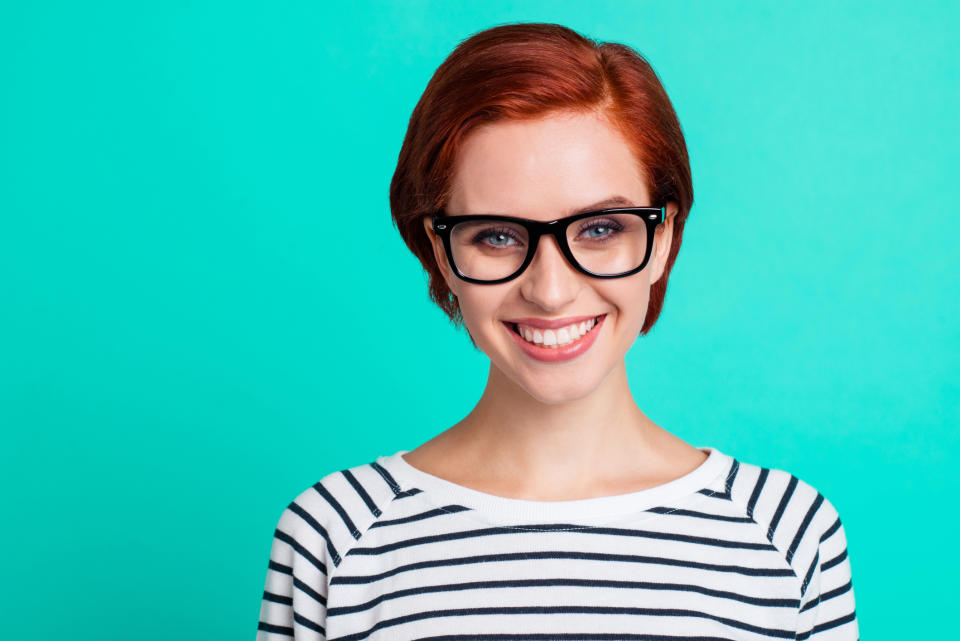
column 549, row 281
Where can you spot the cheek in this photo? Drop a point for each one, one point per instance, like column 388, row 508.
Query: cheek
column 630, row 297
column 479, row 306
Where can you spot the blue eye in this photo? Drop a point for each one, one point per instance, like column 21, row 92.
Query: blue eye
column 598, row 228
column 606, row 228
column 501, row 237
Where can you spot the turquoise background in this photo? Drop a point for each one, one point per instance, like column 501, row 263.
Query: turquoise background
column 187, row 340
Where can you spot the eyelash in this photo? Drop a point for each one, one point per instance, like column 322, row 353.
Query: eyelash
column 608, row 223
column 505, row 231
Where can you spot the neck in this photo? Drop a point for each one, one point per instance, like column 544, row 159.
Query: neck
column 556, row 445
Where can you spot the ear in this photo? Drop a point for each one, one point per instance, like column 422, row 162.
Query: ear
column 662, row 240
column 439, row 254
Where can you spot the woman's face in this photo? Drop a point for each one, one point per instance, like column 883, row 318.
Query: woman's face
column 545, row 169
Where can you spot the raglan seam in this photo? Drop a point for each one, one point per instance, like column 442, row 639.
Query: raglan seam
column 356, row 542
column 736, row 498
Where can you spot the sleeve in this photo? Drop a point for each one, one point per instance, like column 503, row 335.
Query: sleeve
column 827, row 608
column 294, row 594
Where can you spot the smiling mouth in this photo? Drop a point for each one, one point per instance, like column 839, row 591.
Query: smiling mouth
column 555, row 338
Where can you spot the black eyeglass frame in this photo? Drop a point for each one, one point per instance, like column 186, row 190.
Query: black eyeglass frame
column 442, row 225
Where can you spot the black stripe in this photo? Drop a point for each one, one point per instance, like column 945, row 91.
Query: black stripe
column 306, row 516
column 335, row 504
column 834, row 561
column 306, row 589
column 830, row 530
column 352, row 480
column 446, row 509
column 826, row 596
column 302, row 551
column 585, row 583
column 843, row 589
column 564, row 554
column 559, row 527
column 791, row 486
column 809, row 574
column 277, row 598
column 574, row 636
column 276, row 629
column 847, row 618
column 700, row 515
column 307, row 623
column 826, row 625
column 755, row 496
column 386, row 477
column 803, row 526
column 727, row 483
column 569, row 609
column 280, row 567
column 732, row 476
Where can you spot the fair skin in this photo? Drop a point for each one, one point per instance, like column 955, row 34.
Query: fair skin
column 568, row 430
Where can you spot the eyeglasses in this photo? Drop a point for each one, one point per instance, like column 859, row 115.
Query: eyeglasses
column 607, row 243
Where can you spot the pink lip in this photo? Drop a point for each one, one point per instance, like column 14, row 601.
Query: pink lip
column 558, row 354
column 544, row 323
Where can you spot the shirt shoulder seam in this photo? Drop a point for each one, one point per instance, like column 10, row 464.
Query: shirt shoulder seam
column 736, row 497
column 363, row 532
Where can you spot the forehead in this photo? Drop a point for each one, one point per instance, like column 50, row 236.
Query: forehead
column 544, row 167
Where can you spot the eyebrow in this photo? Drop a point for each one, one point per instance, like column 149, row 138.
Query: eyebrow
column 612, row 201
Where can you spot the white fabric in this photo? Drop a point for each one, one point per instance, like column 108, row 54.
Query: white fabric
column 729, row 551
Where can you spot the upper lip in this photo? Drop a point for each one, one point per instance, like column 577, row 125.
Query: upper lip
column 546, row 323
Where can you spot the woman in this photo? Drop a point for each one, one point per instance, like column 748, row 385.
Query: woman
column 544, row 184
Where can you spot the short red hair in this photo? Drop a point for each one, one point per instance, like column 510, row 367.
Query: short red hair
column 521, row 71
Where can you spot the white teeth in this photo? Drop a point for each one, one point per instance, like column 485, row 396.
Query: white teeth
column 556, row 337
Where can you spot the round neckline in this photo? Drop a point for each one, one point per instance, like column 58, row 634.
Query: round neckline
column 442, row 492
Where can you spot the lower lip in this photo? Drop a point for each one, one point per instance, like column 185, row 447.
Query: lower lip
column 557, row 354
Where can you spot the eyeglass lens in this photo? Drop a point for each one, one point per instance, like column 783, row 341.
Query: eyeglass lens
column 607, row 244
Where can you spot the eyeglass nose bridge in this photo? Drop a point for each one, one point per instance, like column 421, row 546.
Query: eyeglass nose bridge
column 555, row 228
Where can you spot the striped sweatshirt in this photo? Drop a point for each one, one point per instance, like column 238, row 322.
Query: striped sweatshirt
column 731, row 550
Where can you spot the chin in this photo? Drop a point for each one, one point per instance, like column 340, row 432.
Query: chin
column 550, row 384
